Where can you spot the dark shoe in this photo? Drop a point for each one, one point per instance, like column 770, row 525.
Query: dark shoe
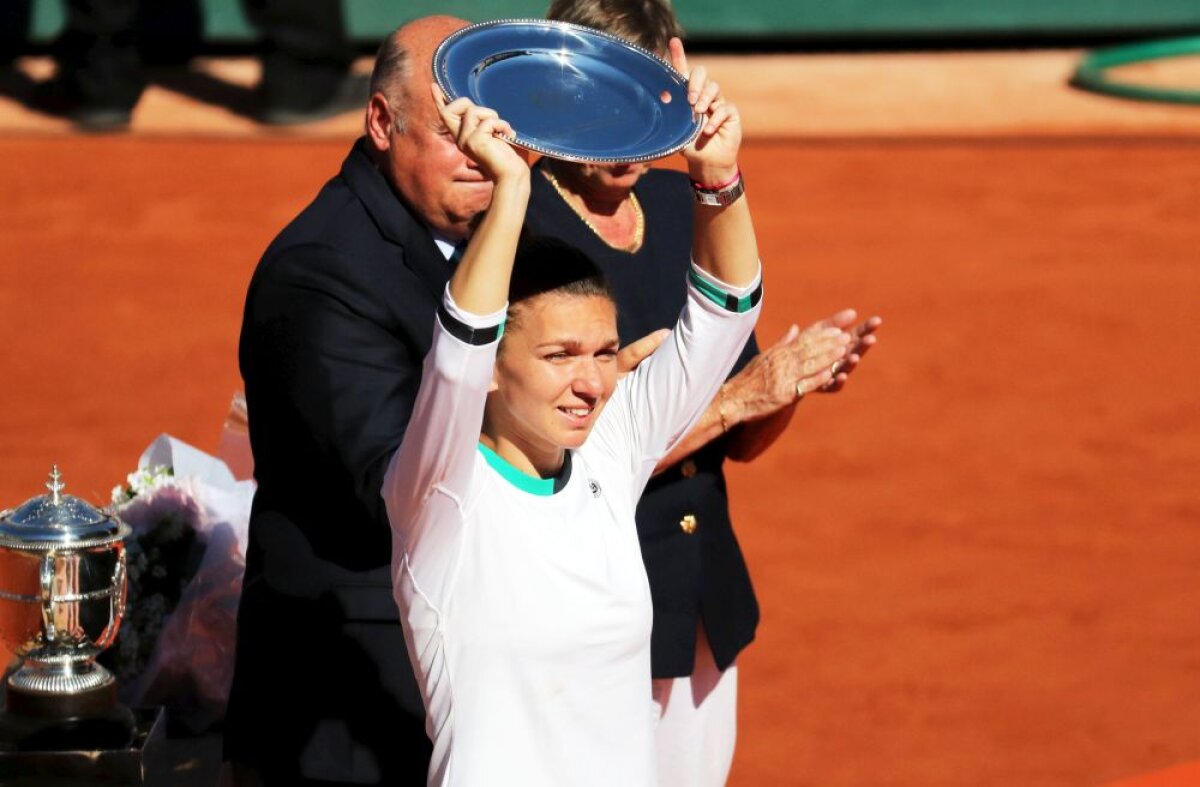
column 350, row 95
column 58, row 99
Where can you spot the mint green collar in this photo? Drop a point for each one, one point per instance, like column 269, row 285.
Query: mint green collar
column 524, row 481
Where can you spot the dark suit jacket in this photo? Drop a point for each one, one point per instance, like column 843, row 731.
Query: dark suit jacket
column 338, row 318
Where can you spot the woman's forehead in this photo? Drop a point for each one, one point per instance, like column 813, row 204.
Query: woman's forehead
column 556, row 317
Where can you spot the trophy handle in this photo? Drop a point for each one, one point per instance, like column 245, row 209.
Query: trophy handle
column 117, row 596
column 47, row 598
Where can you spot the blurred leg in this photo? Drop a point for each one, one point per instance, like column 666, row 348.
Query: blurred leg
column 15, row 17
column 98, row 60
column 308, row 54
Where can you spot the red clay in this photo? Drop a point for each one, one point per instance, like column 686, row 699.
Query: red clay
column 977, row 564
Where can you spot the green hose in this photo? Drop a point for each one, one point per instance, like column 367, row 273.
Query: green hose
column 1092, row 72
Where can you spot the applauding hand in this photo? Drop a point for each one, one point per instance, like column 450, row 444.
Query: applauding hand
column 862, row 339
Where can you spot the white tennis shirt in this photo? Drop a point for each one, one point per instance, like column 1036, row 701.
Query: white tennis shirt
column 524, row 601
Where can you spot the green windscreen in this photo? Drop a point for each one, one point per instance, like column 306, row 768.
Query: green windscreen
column 747, row 19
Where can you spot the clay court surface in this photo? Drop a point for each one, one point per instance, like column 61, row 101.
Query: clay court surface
column 978, row 564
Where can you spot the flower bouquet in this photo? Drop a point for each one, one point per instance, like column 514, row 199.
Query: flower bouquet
column 185, row 558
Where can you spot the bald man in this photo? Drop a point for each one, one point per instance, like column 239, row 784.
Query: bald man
column 338, row 317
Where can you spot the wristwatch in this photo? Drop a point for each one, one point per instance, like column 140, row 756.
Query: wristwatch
column 726, row 195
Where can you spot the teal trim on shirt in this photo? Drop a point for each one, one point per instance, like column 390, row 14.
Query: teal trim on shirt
column 523, row 481
column 724, row 299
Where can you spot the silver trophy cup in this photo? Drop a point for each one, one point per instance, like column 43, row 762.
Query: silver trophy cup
column 62, row 597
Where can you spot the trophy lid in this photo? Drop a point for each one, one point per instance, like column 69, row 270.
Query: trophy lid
column 58, row 521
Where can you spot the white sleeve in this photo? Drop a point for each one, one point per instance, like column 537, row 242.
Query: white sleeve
column 655, row 405
column 430, row 474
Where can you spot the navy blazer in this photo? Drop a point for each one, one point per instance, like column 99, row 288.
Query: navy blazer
column 338, row 317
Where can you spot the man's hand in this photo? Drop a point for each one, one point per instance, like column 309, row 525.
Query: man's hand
column 637, row 351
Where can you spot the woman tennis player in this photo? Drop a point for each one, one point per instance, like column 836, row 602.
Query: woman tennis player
column 515, row 556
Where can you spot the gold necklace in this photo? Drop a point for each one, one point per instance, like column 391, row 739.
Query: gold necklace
column 639, row 230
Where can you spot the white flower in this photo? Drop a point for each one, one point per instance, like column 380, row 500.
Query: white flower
column 148, row 479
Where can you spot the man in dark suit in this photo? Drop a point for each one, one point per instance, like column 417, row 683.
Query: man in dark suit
column 338, row 317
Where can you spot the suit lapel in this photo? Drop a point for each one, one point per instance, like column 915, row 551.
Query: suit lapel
column 395, row 220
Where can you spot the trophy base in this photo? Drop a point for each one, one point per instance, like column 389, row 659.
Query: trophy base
column 113, row 729
column 136, row 763
column 34, row 721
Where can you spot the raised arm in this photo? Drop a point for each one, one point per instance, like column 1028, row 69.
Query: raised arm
column 659, row 402
column 430, row 473
column 480, row 283
column 760, row 400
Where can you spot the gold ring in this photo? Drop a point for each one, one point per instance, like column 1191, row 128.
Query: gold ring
column 799, row 390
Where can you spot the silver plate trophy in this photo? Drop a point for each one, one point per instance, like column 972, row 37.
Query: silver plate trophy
column 62, row 598
column 570, row 92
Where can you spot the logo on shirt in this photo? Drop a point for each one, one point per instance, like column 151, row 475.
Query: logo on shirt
column 594, row 485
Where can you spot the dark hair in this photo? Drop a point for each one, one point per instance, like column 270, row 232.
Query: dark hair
column 548, row 265
column 648, row 23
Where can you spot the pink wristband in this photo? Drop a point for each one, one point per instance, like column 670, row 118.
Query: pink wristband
column 701, row 187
